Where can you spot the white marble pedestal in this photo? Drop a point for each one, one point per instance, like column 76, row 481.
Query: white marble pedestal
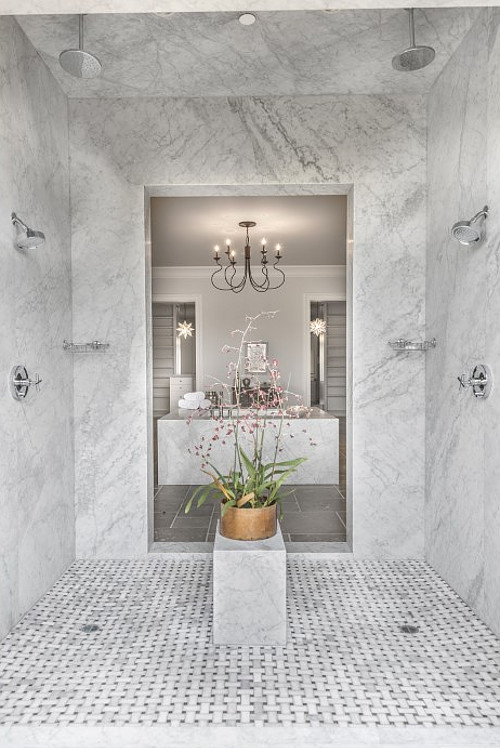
column 249, row 591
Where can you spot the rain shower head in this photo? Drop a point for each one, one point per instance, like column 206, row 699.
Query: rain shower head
column 27, row 238
column 77, row 62
column 416, row 56
column 470, row 232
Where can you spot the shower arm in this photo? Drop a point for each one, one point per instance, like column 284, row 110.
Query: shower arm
column 17, row 221
column 412, row 27
column 80, row 32
column 482, row 214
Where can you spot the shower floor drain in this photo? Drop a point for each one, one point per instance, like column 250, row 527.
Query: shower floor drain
column 409, row 628
column 90, row 628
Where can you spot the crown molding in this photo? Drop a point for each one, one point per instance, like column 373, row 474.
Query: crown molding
column 291, row 271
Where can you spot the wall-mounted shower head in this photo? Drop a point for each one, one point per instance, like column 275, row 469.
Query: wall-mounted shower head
column 416, row 56
column 27, row 238
column 470, row 232
column 78, row 63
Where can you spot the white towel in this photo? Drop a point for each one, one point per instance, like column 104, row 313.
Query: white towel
column 188, row 404
column 194, row 396
column 193, row 404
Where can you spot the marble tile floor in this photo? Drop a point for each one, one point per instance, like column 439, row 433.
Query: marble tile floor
column 128, row 643
column 310, row 514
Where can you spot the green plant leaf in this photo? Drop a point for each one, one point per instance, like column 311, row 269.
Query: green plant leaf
column 248, row 463
column 226, row 506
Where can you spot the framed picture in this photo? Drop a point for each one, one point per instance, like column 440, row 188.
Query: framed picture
column 256, row 358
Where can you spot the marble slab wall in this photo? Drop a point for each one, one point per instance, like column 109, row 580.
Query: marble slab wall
column 36, row 445
column 462, row 515
column 376, row 143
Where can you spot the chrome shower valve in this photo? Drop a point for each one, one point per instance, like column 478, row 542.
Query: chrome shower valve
column 20, row 382
column 481, row 381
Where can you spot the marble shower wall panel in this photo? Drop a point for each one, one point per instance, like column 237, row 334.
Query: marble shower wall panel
column 463, row 478
column 36, row 446
column 492, row 461
column 375, row 142
column 110, row 405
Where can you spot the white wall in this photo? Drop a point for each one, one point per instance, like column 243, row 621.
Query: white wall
column 36, row 444
column 225, row 311
column 376, row 143
column 463, row 310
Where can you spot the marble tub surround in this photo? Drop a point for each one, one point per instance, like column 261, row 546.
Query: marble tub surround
column 462, row 510
column 305, row 144
column 315, row 438
column 249, row 591
column 36, row 445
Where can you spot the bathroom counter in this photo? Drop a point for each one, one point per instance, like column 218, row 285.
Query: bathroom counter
column 315, row 437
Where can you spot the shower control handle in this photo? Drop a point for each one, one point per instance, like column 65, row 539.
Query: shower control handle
column 36, row 382
column 481, row 381
column 20, row 382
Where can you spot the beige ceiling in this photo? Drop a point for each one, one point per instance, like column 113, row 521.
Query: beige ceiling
column 311, row 229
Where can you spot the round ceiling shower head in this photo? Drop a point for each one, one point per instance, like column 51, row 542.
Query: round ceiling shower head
column 413, row 58
column 416, row 56
column 80, row 64
column 470, row 232
column 77, row 62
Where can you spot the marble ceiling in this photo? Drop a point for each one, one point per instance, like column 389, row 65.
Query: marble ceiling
column 283, row 53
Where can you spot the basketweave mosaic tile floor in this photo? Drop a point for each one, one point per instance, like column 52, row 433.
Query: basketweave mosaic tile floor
column 347, row 662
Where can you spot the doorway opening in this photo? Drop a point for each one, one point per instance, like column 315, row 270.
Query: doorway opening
column 328, row 375
column 174, row 359
column 312, row 229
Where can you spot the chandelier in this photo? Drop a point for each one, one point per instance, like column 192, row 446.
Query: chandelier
column 226, row 277
column 318, row 326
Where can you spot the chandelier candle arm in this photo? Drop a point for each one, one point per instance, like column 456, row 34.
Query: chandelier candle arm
column 227, row 273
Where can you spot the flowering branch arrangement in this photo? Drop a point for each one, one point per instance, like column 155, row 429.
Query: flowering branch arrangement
column 256, row 433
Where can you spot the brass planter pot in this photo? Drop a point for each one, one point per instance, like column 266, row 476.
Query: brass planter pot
column 249, row 524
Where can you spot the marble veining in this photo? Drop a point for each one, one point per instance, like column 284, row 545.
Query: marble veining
column 462, row 506
column 36, row 444
column 295, row 53
column 315, row 439
column 376, row 143
column 248, row 736
column 249, row 591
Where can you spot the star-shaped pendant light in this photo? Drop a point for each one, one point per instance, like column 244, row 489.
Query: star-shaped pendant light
column 185, row 330
column 317, row 326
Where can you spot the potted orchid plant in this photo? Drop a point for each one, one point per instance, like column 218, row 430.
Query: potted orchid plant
column 249, row 489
